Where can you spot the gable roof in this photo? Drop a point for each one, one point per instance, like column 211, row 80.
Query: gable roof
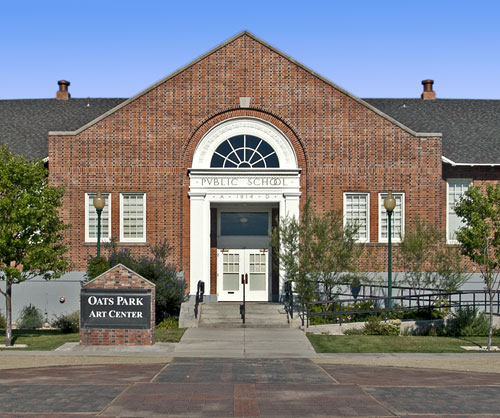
column 116, row 267
column 471, row 128
column 25, row 123
column 222, row 45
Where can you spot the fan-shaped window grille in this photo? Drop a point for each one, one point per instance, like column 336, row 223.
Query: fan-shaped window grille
column 245, row 151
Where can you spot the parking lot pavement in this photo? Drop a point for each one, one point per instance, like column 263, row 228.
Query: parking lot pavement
column 227, row 387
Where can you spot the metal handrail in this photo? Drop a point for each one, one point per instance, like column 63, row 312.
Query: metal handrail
column 200, row 292
column 454, row 300
column 288, row 298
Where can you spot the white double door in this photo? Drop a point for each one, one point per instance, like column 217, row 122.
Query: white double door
column 243, row 265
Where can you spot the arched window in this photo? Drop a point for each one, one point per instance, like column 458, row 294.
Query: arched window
column 244, row 151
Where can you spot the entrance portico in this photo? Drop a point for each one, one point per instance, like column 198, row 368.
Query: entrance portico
column 242, row 165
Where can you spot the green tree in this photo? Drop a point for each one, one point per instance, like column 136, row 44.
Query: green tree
column 31, row 233
column 170, row 287
column 479, row 238
column 427, row 262
column 316, row 252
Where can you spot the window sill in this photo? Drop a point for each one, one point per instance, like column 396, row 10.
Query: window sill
column 118, row 244
column 381, row 244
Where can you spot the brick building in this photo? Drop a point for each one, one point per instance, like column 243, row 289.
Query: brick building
column 209, row 156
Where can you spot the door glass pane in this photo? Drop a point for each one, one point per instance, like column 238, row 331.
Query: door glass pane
column 257, row 281
column 258, row 268
column 244, row 223
column 230, row 282
column 230, row 272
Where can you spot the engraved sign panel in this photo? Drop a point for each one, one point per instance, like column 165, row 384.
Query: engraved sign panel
column 115, row 308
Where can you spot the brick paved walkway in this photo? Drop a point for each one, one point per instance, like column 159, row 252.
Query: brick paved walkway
column 192, row 387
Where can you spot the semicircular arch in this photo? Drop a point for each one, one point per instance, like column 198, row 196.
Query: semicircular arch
column 229, row 140
column 209, row 123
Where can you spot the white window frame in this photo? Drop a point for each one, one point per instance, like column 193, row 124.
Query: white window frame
column 382, row 213
column 122, row 238
column 104, row 237
column 367, row 194
column 462, row 180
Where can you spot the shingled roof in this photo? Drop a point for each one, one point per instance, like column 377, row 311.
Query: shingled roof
column 470, row 128
column 25, row 124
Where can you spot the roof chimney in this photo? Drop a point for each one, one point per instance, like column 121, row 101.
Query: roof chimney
column 63, row 93
column 428, row 93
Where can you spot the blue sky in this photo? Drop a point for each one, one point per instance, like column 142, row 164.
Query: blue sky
column 373, row 48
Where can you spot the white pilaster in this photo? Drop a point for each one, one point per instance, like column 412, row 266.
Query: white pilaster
column 289, row 208
column 199, row 242
column 292, row 205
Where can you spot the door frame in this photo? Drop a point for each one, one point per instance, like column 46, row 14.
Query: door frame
column 244, row 268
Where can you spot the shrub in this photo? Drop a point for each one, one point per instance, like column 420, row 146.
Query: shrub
column 418, row 314
column 326, row 311
column 369, row 306
column 466, row 322
column 30, row 318
column 3, row 323
column 376, row 327
column 168, row 323
column 96, row 267
column 315, row 252
column 67, row 323
column 170, row 287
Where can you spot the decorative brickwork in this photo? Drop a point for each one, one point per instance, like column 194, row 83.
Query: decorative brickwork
column 120, row 279
column 342, row 145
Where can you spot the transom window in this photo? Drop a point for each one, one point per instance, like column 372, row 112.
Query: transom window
column 244, row 223
column 244, row 151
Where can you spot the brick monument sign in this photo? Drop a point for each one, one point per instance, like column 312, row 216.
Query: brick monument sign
column 117, row 308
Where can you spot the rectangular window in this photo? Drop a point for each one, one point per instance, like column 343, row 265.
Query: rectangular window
column 455, row 189
column 356, row 212
column 397, row 218
column 132, row 217
column 244, row 223
column 91, row 219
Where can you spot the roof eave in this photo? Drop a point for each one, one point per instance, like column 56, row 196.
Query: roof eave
column 455, row 164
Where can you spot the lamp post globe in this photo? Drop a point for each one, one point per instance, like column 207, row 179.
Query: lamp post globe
column 99, row 203
column 389, row 205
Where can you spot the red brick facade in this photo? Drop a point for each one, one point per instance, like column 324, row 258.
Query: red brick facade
column 147, row 145
column 120, row 278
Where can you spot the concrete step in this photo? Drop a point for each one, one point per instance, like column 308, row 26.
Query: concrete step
column 258, row 314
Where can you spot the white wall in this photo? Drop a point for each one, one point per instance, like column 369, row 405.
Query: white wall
column 45, row 295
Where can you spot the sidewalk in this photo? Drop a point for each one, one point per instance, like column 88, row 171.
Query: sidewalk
column 229, row 387
column 244, row 343
column 245, row 372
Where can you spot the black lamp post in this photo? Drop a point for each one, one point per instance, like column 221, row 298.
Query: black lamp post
column 389, row 204
column 99, row 203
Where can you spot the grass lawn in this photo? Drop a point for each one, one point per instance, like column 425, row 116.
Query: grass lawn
column 39, row 339
column 48, row 340
column 388, row 344
column 172, row 335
